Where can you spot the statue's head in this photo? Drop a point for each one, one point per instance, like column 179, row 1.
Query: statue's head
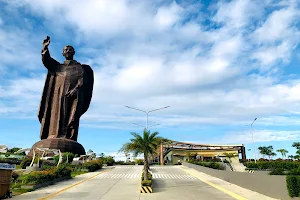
column 68, row 52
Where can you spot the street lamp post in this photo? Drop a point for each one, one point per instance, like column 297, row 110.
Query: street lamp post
column 144, row 126
column 147, row 112
column 253, row 139
column 147, row 115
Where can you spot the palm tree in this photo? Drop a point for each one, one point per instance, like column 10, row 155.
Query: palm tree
column 297, row 157
column 267, row 151
column 297, row 145
column 146, row 144
column 283, row 152
column 291, row 157
column 102, row 155
column 263, row 151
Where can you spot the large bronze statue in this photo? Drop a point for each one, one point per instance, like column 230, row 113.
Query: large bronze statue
column 66, row 97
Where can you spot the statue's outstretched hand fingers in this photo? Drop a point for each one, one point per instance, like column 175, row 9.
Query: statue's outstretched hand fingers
column 46, row 41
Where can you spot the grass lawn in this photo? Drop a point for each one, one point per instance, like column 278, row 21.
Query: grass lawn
column 76, row 173
column 18, row 191
column 16, row 187
column 18, row 167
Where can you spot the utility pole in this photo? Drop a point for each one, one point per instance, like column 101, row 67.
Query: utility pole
column 147, row 116
column 253, row 140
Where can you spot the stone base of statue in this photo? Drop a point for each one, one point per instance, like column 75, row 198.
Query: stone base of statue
column 64, row 145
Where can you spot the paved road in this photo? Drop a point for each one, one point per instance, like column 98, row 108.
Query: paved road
column 123, row 182
column 170, row 182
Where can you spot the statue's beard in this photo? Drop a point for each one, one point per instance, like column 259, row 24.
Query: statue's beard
column 68, row 56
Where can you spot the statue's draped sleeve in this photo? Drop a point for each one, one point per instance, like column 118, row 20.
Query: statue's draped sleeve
column 88, row 84
column 50, row 63
column 44, row 109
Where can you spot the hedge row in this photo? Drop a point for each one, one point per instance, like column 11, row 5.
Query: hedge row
column 38, row 177
column 281, row 171
column 293, row 185
column 10, row 161
column 212, row 165
column 124, row 163
column 92, row 165
column 285, row 165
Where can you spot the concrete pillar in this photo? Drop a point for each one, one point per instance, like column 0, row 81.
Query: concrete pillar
column 243, row 151
column 161, row 154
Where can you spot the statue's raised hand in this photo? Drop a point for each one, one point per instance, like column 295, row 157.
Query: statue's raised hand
column 46, row 42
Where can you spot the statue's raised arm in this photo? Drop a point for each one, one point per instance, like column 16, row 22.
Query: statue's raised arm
column 50, row 63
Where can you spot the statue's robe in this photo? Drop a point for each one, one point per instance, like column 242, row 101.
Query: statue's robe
column 59, row 114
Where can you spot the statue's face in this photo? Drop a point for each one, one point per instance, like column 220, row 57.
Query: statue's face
column 68, row 52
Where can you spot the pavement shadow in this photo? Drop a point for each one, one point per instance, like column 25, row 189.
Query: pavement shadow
column 158, row 185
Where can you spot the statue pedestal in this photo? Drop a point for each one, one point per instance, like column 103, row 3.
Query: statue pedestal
column 64, row 145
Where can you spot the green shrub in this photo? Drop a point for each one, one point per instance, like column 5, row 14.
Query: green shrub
column 147, row 183
column 56, row 159
column 109, row 161
column 46, row 164
column 277, row 171
column 77, row 167
column 263, row 165
column 252, row 165
column 15, row 176
column 92, row 165
column 124, row 163
column 149, row 176
column 212, row 165
column 139, row 161
column 25, row 162
column 64, row 157
column 38, row 177
column 293, row 185
column 69, row 155
column 294, row 171
column 63, row 171
column 10, row 161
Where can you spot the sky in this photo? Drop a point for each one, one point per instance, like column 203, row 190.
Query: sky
column 217, row 64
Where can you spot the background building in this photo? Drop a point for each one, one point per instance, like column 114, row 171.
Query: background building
column 184, row 151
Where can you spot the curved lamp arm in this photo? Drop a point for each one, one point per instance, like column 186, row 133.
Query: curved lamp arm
column 38, row 164
column 33, row 157
column 60, row 158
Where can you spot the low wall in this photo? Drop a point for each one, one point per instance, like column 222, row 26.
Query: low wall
column 272, row 186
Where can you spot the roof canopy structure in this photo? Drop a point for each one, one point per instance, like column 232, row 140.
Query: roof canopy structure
column 187, row 145
column 22, row 150
column 171, row 144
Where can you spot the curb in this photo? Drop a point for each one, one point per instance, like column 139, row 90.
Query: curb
column 146, row 189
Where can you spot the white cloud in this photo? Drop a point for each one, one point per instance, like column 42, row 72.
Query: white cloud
column 149, row 56
column 277, row 36
column 238, row 13
column 168, row 16
column 278, row 26
column 245, row 137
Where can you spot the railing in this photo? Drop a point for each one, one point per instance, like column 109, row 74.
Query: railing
column 229, row 165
